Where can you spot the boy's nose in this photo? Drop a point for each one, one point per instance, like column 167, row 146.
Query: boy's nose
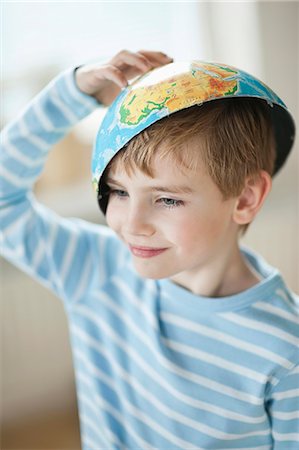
column 138, row 222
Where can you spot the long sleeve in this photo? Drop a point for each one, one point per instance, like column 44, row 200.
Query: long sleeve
column 54, row 250
column 283, row 407
column 26, row 141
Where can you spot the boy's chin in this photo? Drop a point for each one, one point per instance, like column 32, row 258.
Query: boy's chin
column 151, row 271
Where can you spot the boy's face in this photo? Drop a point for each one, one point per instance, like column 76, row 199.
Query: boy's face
column 176, row 224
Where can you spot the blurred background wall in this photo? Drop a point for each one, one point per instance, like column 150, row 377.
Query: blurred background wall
column 40, row 39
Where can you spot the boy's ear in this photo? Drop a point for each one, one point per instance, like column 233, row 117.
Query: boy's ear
column 252, row 197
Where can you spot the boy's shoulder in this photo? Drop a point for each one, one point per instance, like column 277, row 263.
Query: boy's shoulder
column 285, row 303
column 273, row 301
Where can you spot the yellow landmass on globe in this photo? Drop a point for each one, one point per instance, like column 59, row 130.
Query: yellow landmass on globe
column 204, row 82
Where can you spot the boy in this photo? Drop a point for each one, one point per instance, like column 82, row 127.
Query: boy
column 181, row 340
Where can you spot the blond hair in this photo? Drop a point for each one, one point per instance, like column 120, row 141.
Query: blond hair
column 233, row 137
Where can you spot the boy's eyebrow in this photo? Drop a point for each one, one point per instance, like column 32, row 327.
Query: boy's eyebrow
column 175, row 188
column 180, row 189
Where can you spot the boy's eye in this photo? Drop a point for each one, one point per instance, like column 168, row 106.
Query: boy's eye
column 118, row 192
column 170, row 202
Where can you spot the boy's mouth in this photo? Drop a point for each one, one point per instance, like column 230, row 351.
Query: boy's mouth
column 146, row 252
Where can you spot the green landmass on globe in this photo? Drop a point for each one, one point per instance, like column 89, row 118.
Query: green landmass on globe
column 205, row 81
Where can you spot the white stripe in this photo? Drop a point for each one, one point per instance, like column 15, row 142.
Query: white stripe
column 39, row 143
column 88, row 442
column 38, row 254
column 16, row 180
column 135, row 301
column 277, row 312
column 42, row 117
column 281, row 437
column 291, row 393
column 13, row 227
column 69, row 81
column 15, row 253
column 222, row 337
column 77, row 95
column 190, row 376
column 152, row 399
column 261, row 327
column 103, row 405
column 64, row 109
column 215, row 360
column 106, row 433
column 68, row 256
column 81, row 287
column 123, row 260
column 281, row 293
column 262, row 447
column 14, row 153
column 34, row 139
column 285, row 415
column 102, row 273
column 54, row 277
column 87, row 421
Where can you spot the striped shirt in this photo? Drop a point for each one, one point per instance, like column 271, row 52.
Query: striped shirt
column 156, row 366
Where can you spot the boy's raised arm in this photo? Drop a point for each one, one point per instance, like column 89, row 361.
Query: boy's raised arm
column 27, row 229
column 31, row 236
column 25, row 142
column 65, row 101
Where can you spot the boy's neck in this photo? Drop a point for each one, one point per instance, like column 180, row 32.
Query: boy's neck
column 227, row 276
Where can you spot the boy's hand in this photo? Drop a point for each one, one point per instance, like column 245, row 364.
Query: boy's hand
column 105, row 81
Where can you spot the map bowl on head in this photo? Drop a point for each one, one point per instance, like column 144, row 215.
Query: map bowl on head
column 177, row 86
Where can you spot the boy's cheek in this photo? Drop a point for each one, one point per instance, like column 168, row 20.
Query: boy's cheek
column 116, row 217
column 112, row 217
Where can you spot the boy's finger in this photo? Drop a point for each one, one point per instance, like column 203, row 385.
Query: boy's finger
column 131, row 59
column 156, row 58
column 112, row 73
